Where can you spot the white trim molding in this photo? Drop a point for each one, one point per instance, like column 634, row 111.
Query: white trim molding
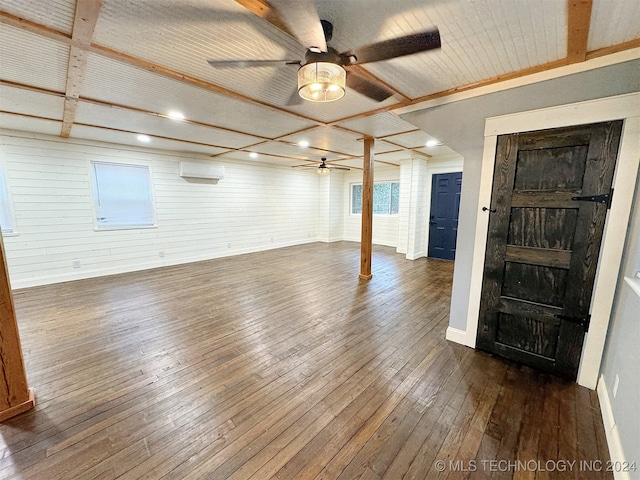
column 614, row 442
column 600, row 110
column 460, row 336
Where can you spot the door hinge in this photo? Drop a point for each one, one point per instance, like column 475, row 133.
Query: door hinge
column 605, row 198
column 582, row 321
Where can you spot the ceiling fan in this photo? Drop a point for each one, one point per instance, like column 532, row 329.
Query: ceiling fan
column 324, row 73
column 323, row 168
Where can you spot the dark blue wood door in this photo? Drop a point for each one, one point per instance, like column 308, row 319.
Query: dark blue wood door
column 443, row 220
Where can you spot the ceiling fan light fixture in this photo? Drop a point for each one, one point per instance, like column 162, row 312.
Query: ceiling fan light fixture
column 323, row 170
column 321, row 81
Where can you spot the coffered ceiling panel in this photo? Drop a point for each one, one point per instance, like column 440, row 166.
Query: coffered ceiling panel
column 437, row 151
column 418, row 148
column 293, row 151
column 55, row 14
column 480, row 39
column 378, row 125
column 260, row 159
column 613, row 22
column 414, row 139
column 183, row 35
column 126, row 138
column 330, row 139
column 29, row 124
column 394, row 157
column 136, row 122
column 31, row 59
column 20, row 100
column 351, row 104
column 145, row 90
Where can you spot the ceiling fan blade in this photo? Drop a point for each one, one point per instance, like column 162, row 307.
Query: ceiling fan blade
column 295, row 99
column 302, row 20
column 251, row 63
column 366, row 87
column 396, row 47
column 338, row 168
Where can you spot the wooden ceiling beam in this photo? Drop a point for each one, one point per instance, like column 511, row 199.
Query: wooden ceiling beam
column 409, row 149
column 22, row 86
column 84, row 25
column 578, row 22
column 620, row 47
column 36, row 28
column 265, row 11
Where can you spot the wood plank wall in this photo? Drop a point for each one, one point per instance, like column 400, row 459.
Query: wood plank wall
column 255, row 207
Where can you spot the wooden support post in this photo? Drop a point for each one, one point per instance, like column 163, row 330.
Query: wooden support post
column 15, row 396
column 367, row 210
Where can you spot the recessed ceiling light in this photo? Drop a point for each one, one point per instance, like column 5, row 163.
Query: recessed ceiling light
column 144, row 138
column 253, row 155
column 432, row 143
column 303, row 143
column 176, row 115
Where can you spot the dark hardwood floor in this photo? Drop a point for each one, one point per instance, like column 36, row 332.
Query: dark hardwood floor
column 281, row 364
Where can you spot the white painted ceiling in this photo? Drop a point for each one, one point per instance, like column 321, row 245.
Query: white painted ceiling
column 146, row 58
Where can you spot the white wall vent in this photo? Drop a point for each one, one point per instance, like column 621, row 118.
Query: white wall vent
column 205, row 171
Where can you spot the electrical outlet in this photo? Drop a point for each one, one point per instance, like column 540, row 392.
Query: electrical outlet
column 616, row 384
column 75, row 264
column 161, row 253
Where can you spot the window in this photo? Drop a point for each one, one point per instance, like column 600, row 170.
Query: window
column 6, row 219
column 122, row 195
column 386, row 197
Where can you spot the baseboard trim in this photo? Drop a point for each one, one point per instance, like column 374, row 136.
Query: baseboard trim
column 20, row 408
column 460, row 336
column 166, row 262
column 611, row 429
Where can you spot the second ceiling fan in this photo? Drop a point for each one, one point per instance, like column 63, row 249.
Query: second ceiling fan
column 324, row 73
column 323, row 168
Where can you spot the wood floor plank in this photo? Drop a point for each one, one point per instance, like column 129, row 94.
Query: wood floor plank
column 249, row 367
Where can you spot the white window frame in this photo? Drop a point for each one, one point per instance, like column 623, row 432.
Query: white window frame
column 105, row 228
column 375, row 183
column 10, row 210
